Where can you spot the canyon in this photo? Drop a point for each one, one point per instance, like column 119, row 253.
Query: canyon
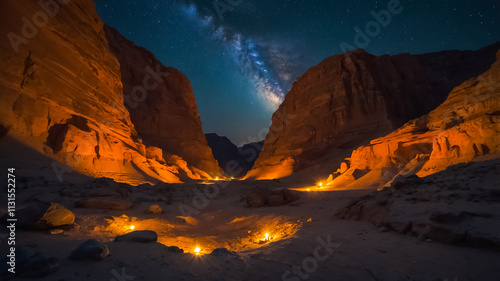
column 67, row 94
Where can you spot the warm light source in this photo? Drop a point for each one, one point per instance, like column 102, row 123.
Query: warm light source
column 308, row 189
column 197, row 250
column 217, row 178
column 320, row 184
column 132, row 227
column 267, row 236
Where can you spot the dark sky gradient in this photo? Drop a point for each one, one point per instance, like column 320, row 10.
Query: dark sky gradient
column 242, row 64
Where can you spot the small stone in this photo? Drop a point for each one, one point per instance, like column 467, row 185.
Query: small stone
column 90, row 250
column 139, row 236
column 154, row 209
column 56, row 231
column 175, row 249
column 384, row 229
column 222, row 252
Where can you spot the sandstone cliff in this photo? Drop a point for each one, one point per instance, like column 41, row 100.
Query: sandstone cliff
column 61, row 93
column 464, row 128
column 349, row 99
column 162, row 106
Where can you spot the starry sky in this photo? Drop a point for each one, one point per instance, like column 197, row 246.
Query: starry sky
column 242, row 56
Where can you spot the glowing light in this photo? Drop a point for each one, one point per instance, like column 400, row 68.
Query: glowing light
column 132, row 227
column 197, row 250
column 267, row 236
column 308, row 189
column 320, row 184
column 217, row 178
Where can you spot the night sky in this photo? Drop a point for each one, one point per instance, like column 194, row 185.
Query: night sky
column 243, row 59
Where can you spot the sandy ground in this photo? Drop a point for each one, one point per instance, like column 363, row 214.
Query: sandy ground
column 358, row 251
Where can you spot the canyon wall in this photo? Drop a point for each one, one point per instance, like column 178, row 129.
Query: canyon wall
column 464, row 128
column 162, row 106
column 349, row 99
column 61, row 93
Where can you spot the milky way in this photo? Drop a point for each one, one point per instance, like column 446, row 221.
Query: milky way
column 256, row 60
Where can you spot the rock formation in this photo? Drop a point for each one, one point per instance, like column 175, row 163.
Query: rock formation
column 459, row 205
column 162, row 106
column 464, row 128
column 62, row 95
column 235, row 161
column 351, row 98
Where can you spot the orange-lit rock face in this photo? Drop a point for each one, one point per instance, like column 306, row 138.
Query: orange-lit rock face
column 344, row 102
column 466, row 127
column 61, row 93
column 164, row 110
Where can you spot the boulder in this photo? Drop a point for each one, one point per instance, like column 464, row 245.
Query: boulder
column 29, row 264
column 42, row 216
column 90, row 250
column 138, row 236
column 275, row 200
column 175, row 249
column 154, row 209
column 290, row 196
column 258, row 197
column 221, row 252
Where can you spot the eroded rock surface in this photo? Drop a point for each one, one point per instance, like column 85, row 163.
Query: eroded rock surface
column 349, row 99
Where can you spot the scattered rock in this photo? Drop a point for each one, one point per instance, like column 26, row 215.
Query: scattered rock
column 447, row 234
column 139, row 236
column 384, row 229
column 469, row 222
column 29, row 264
column 258, row 197
column 154, row 209
column 90, row 250
column 42, row 216
column 175, row 249
column 275, row 200
column 261, row 196
column 290, row 196
column 56, row 231
column 104, row 204
column 220, row 252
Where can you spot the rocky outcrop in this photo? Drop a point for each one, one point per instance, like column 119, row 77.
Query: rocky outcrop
column 42, row 216
column 459, row 205
column 349, row 99
column 61, row 93
column 235, row 161
column 465, row 128
column 162, row 106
